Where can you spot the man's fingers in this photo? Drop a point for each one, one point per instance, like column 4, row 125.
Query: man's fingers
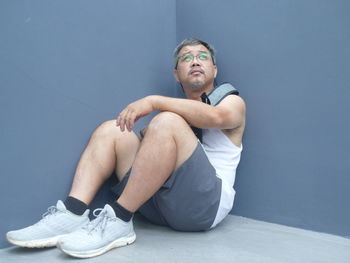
column 121, row 120
column 126, row 120
column 128, row 123
column 118, row 121
column 120, row 117
column 131, row 120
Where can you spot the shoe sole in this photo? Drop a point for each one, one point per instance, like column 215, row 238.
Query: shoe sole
column 39, row 243
column 121, row 242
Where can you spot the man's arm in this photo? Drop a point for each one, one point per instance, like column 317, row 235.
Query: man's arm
column 229, row 114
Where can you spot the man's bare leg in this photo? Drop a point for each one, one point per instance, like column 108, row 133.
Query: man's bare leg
column 167, row 144
column 108, row 150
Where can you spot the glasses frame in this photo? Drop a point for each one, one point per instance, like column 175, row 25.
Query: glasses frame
column 182, row 58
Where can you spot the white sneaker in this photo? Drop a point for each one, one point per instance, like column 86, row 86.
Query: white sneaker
column 56, row 222
column 99, row 236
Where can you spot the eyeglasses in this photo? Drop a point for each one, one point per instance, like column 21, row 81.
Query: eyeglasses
column 188, row 58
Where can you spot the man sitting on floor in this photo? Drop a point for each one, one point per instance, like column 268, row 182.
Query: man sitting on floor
column 169, row 175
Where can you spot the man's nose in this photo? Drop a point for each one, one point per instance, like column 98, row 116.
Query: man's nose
column 195, row 62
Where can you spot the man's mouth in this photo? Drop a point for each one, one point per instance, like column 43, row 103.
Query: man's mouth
column 196, row 71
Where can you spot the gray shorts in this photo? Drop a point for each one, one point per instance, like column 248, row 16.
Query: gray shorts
column 188, row 200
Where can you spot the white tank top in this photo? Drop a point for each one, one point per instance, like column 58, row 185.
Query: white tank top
column 224, row 156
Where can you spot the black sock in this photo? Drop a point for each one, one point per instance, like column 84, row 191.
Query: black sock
column 121, row 212
column 75, row 205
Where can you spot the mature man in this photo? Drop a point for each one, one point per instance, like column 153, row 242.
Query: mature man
column 168, row 175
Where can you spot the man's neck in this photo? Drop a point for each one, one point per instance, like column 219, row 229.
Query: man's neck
column 196, row 94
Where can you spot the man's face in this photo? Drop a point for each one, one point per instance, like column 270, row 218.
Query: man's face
column 195, row 68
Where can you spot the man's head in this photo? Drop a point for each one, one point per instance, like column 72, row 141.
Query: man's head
column 195, row 65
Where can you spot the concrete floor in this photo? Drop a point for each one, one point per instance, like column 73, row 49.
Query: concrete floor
column 236, row 239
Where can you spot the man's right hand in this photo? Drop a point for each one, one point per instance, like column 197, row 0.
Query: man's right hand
column 134, row 112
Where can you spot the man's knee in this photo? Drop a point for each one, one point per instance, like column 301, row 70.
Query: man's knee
column 110, row 129
column 167, row 120
column 105, row 128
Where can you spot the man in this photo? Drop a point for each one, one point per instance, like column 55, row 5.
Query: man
column 168, row 175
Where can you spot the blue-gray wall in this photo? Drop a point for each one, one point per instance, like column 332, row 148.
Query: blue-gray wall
column 65, row 66
column 290, row 61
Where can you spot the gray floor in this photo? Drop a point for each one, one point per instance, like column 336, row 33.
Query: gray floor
column 237, row 239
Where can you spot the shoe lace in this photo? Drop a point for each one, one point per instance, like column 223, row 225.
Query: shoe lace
column 50, row 211
column 100, row 222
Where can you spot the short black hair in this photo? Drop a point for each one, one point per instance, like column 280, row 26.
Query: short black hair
column 193, row 42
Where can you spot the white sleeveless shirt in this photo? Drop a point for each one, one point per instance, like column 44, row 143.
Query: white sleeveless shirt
column 225, row 157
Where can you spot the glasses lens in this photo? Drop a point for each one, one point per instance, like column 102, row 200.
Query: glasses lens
column 203, row 56
column 187, row 58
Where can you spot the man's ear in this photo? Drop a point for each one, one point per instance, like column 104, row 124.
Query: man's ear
column 175, row 75
column 216, row 71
